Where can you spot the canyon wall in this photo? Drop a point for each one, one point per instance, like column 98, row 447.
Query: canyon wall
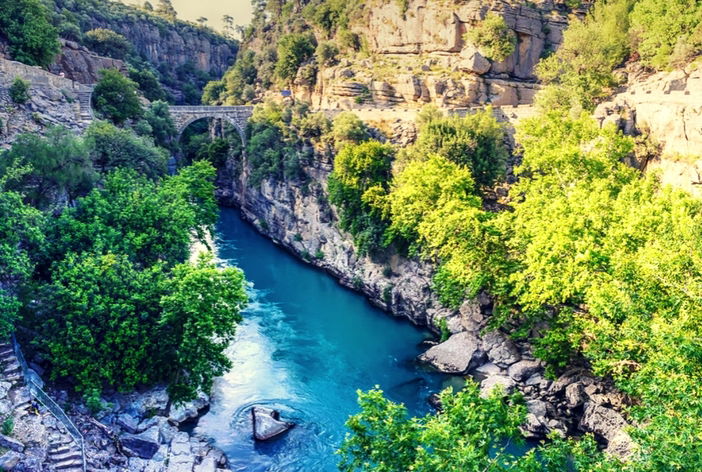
column 666, row 106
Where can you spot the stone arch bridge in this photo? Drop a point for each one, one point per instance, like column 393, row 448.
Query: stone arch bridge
column 236, row 115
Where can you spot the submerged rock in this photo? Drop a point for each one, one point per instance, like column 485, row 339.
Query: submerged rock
column 267, row 423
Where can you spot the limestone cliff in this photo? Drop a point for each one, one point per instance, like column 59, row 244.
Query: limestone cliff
column 422, row 55
column 169, row 43
column 78, row 63
column 668, row 107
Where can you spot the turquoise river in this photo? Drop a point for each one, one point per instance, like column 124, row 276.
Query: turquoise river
column 305, row 346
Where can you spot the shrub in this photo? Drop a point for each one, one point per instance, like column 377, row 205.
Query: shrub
column 493, row 38
column 327, row 53
column 8, row 426
column 347, row 127
column 19, row 91
column 293, row 50
column 108, row 43
column 115, row 97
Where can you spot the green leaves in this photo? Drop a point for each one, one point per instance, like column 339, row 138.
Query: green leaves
column 25, row 24
column 470, row 433
column 493, row 38
column 357, row 186
column 200, row 311
column 115, row 97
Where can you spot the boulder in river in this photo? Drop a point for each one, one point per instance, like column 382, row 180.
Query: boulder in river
column 267, row 423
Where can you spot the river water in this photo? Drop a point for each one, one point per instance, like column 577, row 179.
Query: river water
column 305, row 346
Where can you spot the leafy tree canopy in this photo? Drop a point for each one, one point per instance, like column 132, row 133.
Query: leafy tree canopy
column 26, row 25
column 116, row 98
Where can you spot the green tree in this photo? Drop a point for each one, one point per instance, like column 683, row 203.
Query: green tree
column 19, row 91
column 112, row 148
column 59, row 167
column 108, row 43
column 115, row 97
column 580, row 72
column 145, row 220
column 667, row 33
column 357, row 187
column 347, row 127
column 26, row 25
column 200, row 311
column 149, row 84
column 471, row 432
column 163, row 128
column 476, row 141
column 21, row 237
column 166, row 10
column 293, row 50
column 493, row 38
column 102, row 319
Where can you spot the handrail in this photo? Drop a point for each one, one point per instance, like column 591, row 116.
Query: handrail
column 43, row 398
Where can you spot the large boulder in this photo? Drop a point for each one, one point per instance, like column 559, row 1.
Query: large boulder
column 457, row 355
column 608, row 424
column 267, row 424
column 473, row 61
column 500, row 349
column 143, row 445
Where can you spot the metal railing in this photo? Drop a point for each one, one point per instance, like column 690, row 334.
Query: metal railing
column 43, row 398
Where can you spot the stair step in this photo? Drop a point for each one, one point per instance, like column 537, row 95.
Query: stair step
column 70, row 455
column 61, row 448
column 68, row 464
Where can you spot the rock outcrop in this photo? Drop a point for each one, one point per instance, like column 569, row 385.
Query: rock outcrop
column 421, row 54
column 78, row 63
column 667, row 106
column 53, row 100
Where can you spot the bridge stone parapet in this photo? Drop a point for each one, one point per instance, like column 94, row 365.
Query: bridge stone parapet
column 236, row 115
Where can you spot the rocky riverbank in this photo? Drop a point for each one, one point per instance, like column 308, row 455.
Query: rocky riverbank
column 298, row 217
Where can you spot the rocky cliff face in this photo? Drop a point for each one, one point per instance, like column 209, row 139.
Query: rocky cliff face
column 668, row 107
column 54, row 100
column 78, row 63
column 299, row 218
column 175, row 45
column 421, row 56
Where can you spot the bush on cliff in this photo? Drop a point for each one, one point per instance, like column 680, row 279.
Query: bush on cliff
column 493, row 38
column 19, row 91
column 357, row 186
column 293, row 50
column 108, row 43
column 25, row 24
column 116, row 97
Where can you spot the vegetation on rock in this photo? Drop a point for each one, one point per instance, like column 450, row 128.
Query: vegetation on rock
column 115, row 97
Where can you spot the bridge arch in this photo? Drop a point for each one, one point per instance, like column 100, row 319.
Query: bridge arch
column 238, row 116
